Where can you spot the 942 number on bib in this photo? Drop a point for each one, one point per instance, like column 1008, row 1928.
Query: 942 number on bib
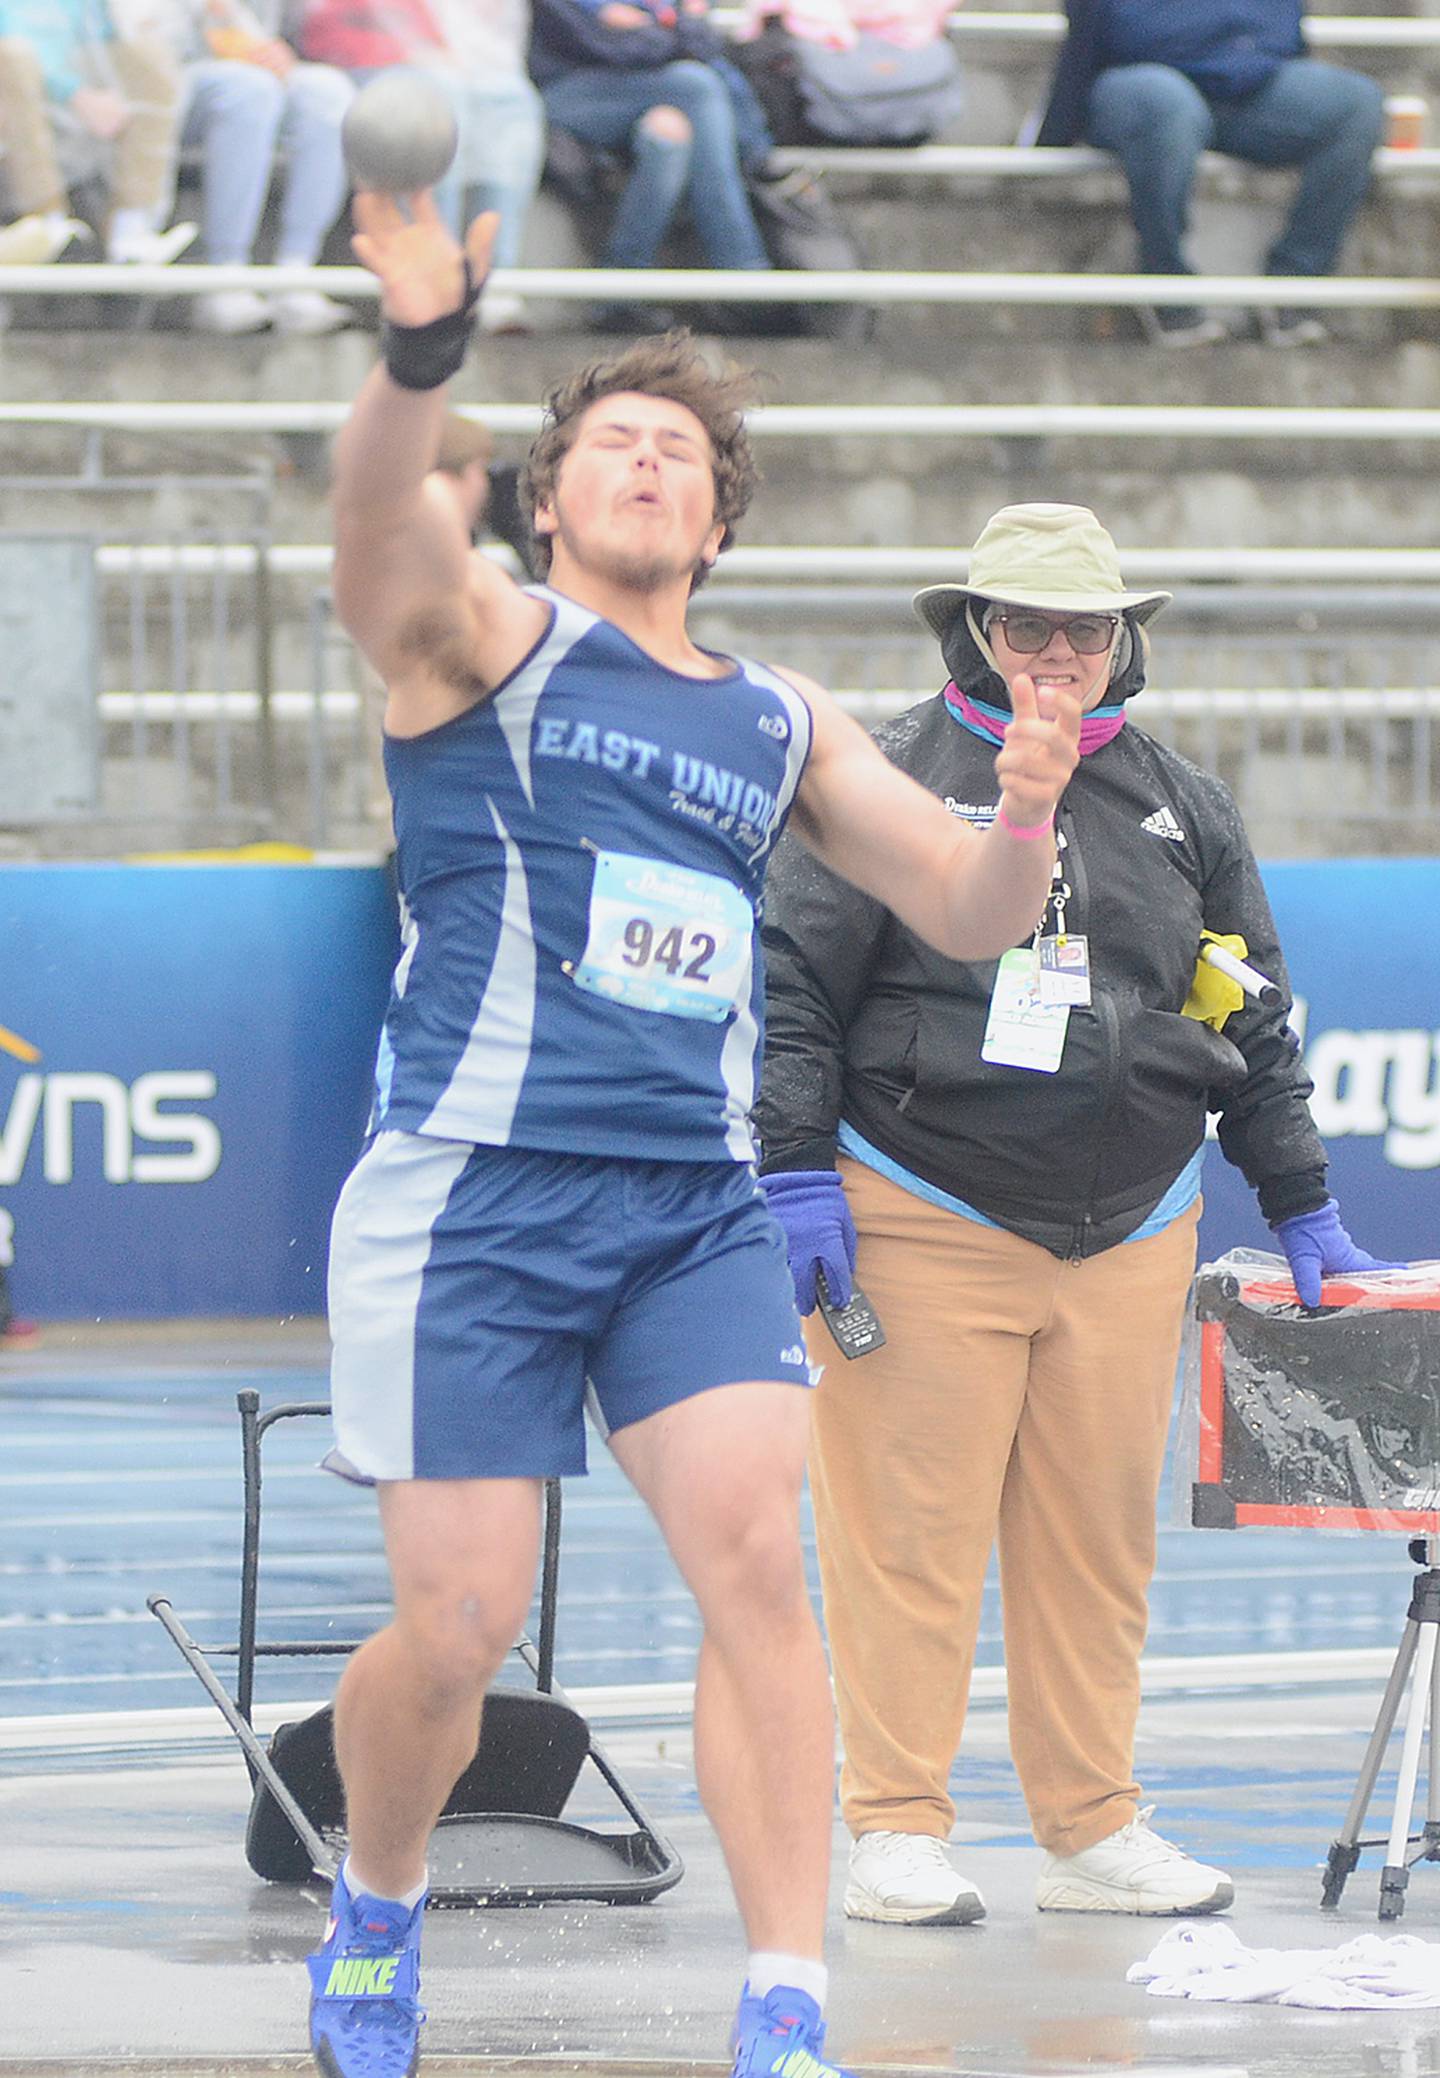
column 666, row 938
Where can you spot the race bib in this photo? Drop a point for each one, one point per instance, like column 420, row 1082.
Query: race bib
column 666, row 938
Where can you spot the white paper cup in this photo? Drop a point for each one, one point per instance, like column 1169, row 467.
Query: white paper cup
column 1406, row 116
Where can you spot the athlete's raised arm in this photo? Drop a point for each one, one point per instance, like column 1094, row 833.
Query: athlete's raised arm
column 440, row 624
column 969, row 893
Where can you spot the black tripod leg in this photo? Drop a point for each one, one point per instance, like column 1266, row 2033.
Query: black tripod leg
column 1345, row 1851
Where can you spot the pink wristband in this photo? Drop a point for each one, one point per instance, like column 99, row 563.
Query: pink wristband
column 1026, row 830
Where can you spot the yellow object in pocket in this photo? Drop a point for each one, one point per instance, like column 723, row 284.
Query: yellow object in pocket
column 1213, row 995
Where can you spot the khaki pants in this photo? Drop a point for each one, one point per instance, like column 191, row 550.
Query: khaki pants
column 142, row 158
column 1020, row 1397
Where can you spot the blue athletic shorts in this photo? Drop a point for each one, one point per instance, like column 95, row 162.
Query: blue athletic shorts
column 475, row 1293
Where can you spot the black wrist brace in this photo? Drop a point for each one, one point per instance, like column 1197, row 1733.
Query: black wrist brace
column 421, row 357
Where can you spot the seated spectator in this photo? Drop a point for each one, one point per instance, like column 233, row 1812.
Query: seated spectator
column 76, row 98
column 475, row 50
column 864, row 72
column 1160, row 85
column 637, row 80
column 246, row 97
column 486, row 492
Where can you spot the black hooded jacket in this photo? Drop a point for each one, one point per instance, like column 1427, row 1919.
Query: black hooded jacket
column 866, row 1023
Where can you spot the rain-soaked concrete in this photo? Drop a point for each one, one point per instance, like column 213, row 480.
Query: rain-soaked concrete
column 134, row 1937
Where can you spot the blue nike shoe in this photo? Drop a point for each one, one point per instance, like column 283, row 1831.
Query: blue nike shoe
column 365, row 1981
column 781, row 2036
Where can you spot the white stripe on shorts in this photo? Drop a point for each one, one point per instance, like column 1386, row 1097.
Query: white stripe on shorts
column 379, row 1246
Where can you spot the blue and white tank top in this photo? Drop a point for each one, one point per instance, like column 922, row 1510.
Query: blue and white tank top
column 580, row 859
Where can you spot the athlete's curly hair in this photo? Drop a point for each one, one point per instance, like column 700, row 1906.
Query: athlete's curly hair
column 672, row 366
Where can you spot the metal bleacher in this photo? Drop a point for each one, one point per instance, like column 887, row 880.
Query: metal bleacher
column 1289, row 498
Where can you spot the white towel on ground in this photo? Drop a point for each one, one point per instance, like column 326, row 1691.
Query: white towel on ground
column 1204, row 1959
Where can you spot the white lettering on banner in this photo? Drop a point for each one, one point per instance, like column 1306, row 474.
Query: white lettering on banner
column 148, row 1122
column 20, row 1126
column 1413, row 1141
column 1349, row 1070
column 126, row 1115
column 62, row 1094
column 1370, row 1085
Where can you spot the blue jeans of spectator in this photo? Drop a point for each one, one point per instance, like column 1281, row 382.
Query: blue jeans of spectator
column 502, row 149
column 604, row 108
column 1325, row 120
column 237, row 116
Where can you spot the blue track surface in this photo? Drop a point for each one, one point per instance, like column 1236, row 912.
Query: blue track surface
column 126, row 1480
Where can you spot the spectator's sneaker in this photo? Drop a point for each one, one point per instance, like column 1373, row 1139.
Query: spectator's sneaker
column 631, row 320
column 907, row 1880
column 1180, row 324
column 1133, row 1870
column 152, row 248
column 1292, row 328
column 19, row 1334
column 231, row 312
column 504, row 313
column 781, row 2036
column 365, row 1981
column 34, row 241
column 307, row 314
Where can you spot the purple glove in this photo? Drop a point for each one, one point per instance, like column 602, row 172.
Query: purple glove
column 819, row 1232
column 1317, row 1246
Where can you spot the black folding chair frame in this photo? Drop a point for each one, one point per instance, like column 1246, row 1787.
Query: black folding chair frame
column 559, row 1860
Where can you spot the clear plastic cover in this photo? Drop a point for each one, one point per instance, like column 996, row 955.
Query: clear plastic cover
column 1297, row 1419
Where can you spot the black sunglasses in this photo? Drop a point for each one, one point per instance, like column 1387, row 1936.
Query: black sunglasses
column 1089, row 634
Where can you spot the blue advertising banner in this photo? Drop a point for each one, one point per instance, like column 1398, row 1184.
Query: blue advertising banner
column 186, row 1054
column 185, row 1064
column 1365, row 966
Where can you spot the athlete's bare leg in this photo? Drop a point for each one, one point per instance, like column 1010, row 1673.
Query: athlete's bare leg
column 722, row 1473
column 462, row 1554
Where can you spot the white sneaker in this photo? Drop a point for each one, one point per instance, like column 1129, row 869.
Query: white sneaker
column 308, row 314
column 907, row 1880
column 1180, row 324
column 151, row 248
column 231, row 311
column 1133, row 1870
column 34, row 241
column 500, row 312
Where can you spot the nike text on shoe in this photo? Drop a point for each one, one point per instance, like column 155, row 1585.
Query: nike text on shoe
column 907, row 1879
column 1133, row 1870
column 365, row 1982
column 781, row 2036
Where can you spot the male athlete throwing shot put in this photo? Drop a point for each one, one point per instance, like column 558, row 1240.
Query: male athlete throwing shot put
column 559, row 1187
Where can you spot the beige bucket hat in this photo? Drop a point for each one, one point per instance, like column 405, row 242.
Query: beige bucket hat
column 1057, row 557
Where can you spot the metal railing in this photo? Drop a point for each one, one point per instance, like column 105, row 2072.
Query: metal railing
column 233, row 707
column 1420, row 164
column 687, row 285
column 1368, row 425
column 1321, row 710
column 1322, row 31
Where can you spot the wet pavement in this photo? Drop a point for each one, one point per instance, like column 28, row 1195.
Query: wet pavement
column 132, row 1931
column 134, row 1937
